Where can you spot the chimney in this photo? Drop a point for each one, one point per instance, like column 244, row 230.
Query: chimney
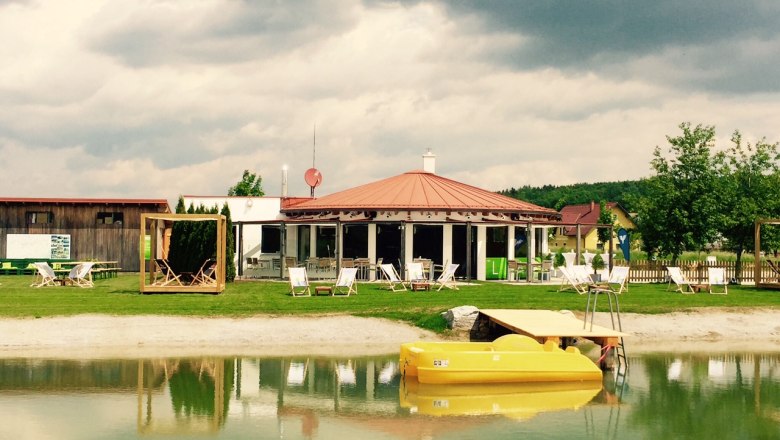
column 284, row 181
column 429, row 162
column 592, row 206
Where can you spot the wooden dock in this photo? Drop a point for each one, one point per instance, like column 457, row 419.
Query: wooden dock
column 546, row 325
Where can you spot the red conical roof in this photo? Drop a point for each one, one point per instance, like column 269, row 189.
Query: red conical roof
column 418, row 190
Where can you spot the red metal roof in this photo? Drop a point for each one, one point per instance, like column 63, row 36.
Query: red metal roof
column 61, row 201
column 587, row 213
column 419, row 190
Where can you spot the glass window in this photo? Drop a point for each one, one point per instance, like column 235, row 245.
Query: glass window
column 110, row 218
column 39, row 218
column 270, row 241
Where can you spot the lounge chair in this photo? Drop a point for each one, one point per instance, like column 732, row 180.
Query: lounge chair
column 390, row 275
column 345, row 283
column 415, row 274
column 169, row 276
column 45, row 276
column 206, row 274
column 775, row 267
column 447, row 278
column 573, row 280
column 345, row 373
column 296, row 374
column 716, row 276
column 676, row 276
column 618, row 280
column 81, row 275
column 299, row 281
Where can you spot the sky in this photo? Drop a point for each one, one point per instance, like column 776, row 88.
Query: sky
column 156, row 99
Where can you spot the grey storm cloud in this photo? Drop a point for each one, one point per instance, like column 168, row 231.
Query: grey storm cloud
column 230, row 33
column 698, row 36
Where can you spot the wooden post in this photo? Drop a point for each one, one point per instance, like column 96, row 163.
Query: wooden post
column 577, row 251
column 611, row 247
column 468, row 252
column 757, row 255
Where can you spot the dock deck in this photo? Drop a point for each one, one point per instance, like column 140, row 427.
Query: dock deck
column 544, row 325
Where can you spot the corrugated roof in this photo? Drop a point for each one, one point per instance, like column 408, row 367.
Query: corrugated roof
column 60, row 201
column 419, row 190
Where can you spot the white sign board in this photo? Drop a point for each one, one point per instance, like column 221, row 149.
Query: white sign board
column 45, row 246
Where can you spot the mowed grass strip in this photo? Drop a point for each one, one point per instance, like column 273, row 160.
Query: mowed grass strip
column 120, row 296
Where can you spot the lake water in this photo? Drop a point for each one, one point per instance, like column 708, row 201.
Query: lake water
column 660, row 397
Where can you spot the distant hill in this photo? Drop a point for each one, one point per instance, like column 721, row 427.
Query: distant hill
column 556, row 197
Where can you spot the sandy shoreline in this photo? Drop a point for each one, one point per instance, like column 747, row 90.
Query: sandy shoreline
column 102, row 336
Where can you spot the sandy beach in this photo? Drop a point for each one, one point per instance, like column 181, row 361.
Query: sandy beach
column 102, row 336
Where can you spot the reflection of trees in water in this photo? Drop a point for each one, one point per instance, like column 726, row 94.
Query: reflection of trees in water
column 198, row 386
column 698, row 408
column 191, row 393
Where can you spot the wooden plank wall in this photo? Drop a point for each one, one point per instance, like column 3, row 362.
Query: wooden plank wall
column 89, row 240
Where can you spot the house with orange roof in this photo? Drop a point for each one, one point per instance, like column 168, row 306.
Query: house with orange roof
column 587, row 215
column 415, row 215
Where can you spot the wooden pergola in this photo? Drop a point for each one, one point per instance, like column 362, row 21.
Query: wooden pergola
column 760, row 283
column 154, row 225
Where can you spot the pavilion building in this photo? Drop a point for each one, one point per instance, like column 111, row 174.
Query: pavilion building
column 417, row 214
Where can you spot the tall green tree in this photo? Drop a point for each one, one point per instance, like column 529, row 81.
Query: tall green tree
column 750, row 192
column 251, row 184
column 230, row 246
column 682, row 209
column 606, row 217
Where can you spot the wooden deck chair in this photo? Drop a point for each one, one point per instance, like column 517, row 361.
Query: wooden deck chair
column 299, row 281
column 447, row 278
column 169, row 276
column 572, row 281
column 387, row 373
column 415, row 273
column 345, row 374
column 775, row 268
column 345, row 283
column 618, row 280
column 676, row 276
column 296, row 374
column 716, row 276
column 390, row 275
column 81, row 275
column 45, row 275
column 206, row 275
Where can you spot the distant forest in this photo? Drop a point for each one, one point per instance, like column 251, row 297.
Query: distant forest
column 626, row 193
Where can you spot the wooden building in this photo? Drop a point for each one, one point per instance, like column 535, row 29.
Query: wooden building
column 74, row 229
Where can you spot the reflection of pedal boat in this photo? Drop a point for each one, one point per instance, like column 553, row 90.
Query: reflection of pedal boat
column 510, row 358
column 519, row 400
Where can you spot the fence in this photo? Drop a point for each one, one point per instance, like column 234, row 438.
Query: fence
column 645, row 271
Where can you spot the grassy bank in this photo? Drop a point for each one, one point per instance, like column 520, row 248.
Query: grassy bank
column 119, row 296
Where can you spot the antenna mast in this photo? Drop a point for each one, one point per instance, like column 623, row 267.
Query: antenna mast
column 313, row 152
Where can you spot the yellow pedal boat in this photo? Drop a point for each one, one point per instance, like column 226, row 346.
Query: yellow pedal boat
column 515, row 400
column 510, row 358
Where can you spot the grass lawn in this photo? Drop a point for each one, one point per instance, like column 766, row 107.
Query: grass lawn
column 120, row 296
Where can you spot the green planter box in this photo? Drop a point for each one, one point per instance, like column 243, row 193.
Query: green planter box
column 495, row 268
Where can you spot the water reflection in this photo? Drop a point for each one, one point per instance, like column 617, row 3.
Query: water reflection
column 672, row 396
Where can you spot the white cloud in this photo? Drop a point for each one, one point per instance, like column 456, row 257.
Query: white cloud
column 157, row 99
